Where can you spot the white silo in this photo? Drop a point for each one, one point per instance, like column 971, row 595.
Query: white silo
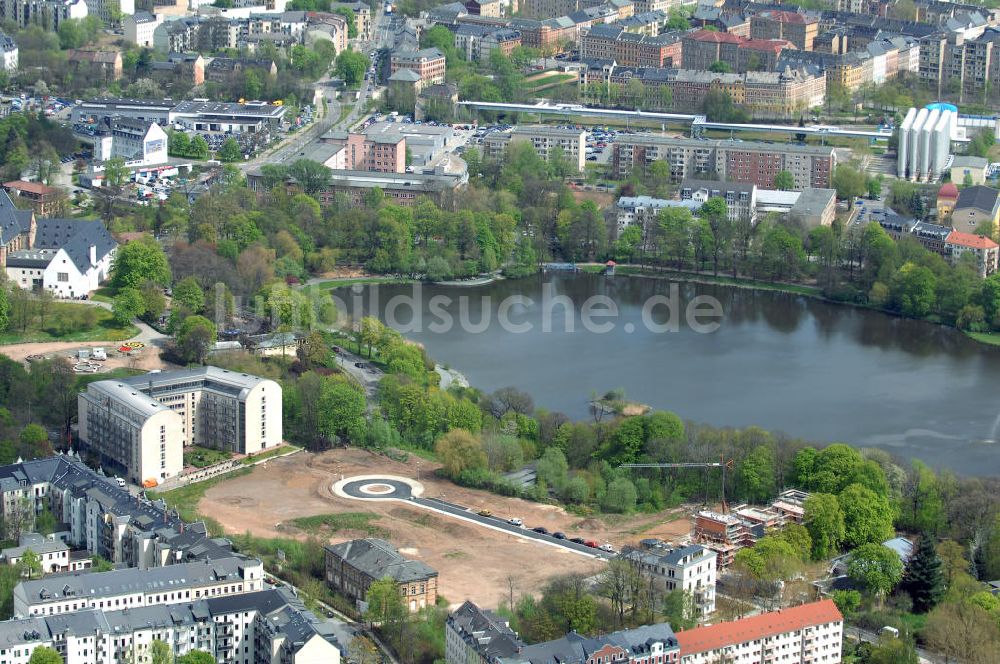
column 924, row 156
column 902, row 149
column 913, row 149
column 940, row 144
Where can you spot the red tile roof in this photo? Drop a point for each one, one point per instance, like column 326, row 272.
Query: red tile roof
column 715, row 36
column 713, row 637
column 948, row 190
column 787, row 17
column 970, row 240
column 30, row 187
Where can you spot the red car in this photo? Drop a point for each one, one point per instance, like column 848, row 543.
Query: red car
column 591, row 543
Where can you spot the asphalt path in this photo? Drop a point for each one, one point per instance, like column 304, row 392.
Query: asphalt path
column 401, row 491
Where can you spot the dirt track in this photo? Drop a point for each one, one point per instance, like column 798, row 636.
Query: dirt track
column 474, row 563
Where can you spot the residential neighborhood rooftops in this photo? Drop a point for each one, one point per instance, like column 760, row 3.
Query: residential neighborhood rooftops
column 713, row 637
column 970, row 240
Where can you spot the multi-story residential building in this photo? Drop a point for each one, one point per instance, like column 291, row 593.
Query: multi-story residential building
column 478, row 636
column 133, row 588
column 969, row 67
column 810, row 165
column 102, row 518
column 137, row 142
column 571, row 142
column 140, row 27
column 800, row 29
column 807, row 633
column 362, row 18
column 48, row 14
column 740, row 197
column 10, row 53
column 649, row 644
column 187, row 69
column 400, row 188
column 378, row 153
column 982, row 248
column 104, row 66
column 141, row 424
column 690, row 569
column 645, row 6
column 428, row 64
column 351, row 567
column 629, row 49
column 648, row 23
column 265, row 627
column 230, row 70
column 484, row 8
column 702, row 48
column 479, row 41
column 642, row 209
column 43, row 199
column 543, row 9
column 504, row 40
column 976, row 207
column 54, row 554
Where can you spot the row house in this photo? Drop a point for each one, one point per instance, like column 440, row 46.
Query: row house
column 479, row 41
column 428, row 64
column 798, row 28
column 702, row 48
column 628, row 49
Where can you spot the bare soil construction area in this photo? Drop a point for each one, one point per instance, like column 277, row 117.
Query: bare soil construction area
column 473, row 562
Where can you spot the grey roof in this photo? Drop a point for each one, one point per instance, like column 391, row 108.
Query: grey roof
column 405, row 75
column 13, row 221
column 979, row 197
column 970, row 162
column 378, row 559
column 424, row 53
column 931, row 231
column 713, row 185
column 41, row 548
column 657, row 139
column 75, row 237
column 813, row 201
column 223, row 380
column 486, row 632
column 576, row 648
column 143, row 17
column 123, row 581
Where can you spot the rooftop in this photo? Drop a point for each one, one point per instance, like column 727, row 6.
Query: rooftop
column 948, row 190
column 378, row 558
column 30, row 187
column 713, row 637
column 978, row 197
column 970, row 240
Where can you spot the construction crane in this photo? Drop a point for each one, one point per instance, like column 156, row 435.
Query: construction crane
column 724, row 464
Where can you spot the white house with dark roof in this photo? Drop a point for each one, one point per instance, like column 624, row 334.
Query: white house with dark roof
column 691, row 569
column 9, row 50
column 67, row 257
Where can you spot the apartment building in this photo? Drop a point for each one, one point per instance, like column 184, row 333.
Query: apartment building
column 48, row 14
column 137, row 142
column 702, row 48
column 740, row 197
column 808, row 633
column 139, row 28
column 479, row 41
column 478, row 636
column 642, row 209
column 43, row 199
column 630, row 49
column 379, row 153
column 649, row 644
column 134, row 588
column 689, row 568
column 647, row 23
column 759, row 163
column 262, row 627
column 800, row 29
column 142, row 424
column 355, row 186
column 545, row 139
column 976, row 206
column 9, row 51
column 104, row 66
column 362, row 18
column 982, row 248
column 427, row 63
column 543, row 9
column 351, row 567
column 54, row 554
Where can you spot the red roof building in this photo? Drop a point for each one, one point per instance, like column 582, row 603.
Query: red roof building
column 985, row 250
column 947, row 198
column 807, row 633
column 948, row 191
column 702, row 48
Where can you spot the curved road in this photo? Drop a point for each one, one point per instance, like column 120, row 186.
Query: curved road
column 400, row 490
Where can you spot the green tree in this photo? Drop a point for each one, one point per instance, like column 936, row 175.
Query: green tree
column 4, row 309
column 30, row 565
column 195, row 338
column 188, row 293
column 825, row 522
column 128, row 304
column 924, row 580
column 876, row 567
column 460, row 451
column 341, row 410
column 755, row 475
column 385, row 605
column 230, row 151
column 679, row 609
column 160, row 653
column 351, row 67
column 620, row 496
column 196, row 657
column 348, row 14
column 913, row 290
column 139, row 261
column 868, row 516
column 312, row 176
column 848, row 601
column 891, row 650
column 552, row 468
column 849, row 182
column 720, row 67
column 875, row 188
column 784, row 181
column 771, row 559
column 45, row 655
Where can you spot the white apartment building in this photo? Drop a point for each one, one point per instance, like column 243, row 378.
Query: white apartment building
column 9, row 50
column 139, row 143
column 811, row 633
column 142, row 424
column 573, row 143
column 690, row 568
column 133, row 588
column 53, row 553
column 139, row 28
column 265, row 627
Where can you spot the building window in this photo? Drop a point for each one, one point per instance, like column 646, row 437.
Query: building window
column 62, row 276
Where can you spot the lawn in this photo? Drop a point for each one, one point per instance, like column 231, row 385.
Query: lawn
column 70, row 322
column 729, row 281
column 546, row 81
column 273, row 452
column 104, row 294
column 202, row 457
column 342, row 283
column 988, row 338
column 329, row 524
column 185, row 499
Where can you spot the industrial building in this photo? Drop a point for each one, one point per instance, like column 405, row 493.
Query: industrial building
column 138, row 142
column 200, row 115
column 142, row 424
column 925, row 142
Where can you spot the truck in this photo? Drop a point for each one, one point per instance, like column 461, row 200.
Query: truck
column 99, row 354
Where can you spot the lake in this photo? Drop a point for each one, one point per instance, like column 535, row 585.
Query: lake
column 783, row 362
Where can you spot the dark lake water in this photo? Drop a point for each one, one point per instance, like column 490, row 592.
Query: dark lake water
column 783, row 362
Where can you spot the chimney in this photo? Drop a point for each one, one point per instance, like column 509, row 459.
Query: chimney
column 93, row 255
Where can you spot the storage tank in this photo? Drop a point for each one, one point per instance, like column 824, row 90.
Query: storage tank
column 953, row 123
column 941, row 144
column 914, row 146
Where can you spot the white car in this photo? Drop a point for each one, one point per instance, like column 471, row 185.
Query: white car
column 516, row 522
column 607, row 547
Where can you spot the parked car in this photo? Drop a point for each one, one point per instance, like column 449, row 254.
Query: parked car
column 516, row 522
column 577, row 540
column 607, row 547
column 559, row 535
column 591, row 543
column 541, row 531
column 484, row 513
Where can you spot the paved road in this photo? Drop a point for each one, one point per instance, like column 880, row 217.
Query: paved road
column 401, row 491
